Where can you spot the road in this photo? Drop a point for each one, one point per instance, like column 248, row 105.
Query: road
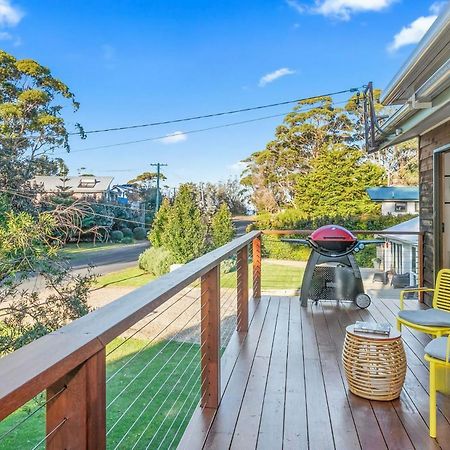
column 110, row 259
column 241, row 223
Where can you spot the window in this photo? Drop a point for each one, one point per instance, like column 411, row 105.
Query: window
column 400, row 207
column 87, row 183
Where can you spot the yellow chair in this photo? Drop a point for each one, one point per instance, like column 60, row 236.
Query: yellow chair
column 437, row 353
column 436, row 320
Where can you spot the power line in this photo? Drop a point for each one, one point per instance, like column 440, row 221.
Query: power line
column 222, row 113
column 200, row 130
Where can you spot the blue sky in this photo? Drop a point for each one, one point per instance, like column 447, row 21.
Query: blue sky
column 132, row 61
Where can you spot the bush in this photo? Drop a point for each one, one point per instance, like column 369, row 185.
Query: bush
column 116, row 236
column 272, row 247
column 156, row 261
column 229, row 265
column 127, row 232
column 139, row 233
column 127, row 240
column 159, row 225
column 222, row 230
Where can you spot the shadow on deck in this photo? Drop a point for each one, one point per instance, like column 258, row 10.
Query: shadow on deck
column 283, row 386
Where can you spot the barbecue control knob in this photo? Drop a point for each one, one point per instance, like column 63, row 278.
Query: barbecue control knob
column 362, row 301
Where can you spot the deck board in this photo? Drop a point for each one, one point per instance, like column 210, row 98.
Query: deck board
column 287, row 387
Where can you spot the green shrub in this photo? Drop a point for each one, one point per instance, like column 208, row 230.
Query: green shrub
column 139, row 233
column 159, row 225
column 365, row 257
column 273, row 247
column 222, row 230
column 116, row 236
column 229, row 265
column 127, row 232
column 156, row 261
column 127, row 240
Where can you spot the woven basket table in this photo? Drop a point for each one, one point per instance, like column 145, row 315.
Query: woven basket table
column 374, row 364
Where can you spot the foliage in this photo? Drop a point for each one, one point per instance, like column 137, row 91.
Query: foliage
column 273, row 247
column 31, row 126
column 156, row 261
column 272, row 173
column 127, row 240
column 185, row 235
column 159, row 225
column 337, row 183
column 229, row 265
column 139, row 233
column 127, row 232
column 116, row 236
column 222, row 230
column 28, row 246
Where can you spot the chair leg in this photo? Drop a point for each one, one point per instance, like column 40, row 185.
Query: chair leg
column 432, row 399
column 399, row 325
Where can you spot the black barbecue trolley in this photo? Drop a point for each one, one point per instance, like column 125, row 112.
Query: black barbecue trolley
column 332, row 272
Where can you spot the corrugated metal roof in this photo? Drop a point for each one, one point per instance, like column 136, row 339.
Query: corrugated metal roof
column 409, row 225
column 81, row 184
column 393, row 193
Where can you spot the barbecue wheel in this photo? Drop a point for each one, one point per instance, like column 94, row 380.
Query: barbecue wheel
column 362, row 301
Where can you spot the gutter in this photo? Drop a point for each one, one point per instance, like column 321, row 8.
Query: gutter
column 436, row 32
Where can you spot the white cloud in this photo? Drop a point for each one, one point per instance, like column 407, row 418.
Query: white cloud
column 9, row 15
column 437, row 7
column 412, row 33
column 272, row 76
column 5, row 36
column 340, row 9
column 238, row 167
column 297, row 6
column 174, row 138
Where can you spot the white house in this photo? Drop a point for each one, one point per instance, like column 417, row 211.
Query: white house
column 396, row 200
column 399, row 253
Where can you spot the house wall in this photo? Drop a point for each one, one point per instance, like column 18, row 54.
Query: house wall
column 428, row 142
column 389, row 208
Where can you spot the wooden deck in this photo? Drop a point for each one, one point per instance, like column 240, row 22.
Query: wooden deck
column 284, row 387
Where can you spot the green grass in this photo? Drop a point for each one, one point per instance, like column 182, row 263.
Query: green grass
column 131, row 277
column 274, row 276
column 72, row 250
column 168, row 386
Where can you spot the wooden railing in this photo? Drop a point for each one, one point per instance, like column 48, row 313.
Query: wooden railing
column 70, row 364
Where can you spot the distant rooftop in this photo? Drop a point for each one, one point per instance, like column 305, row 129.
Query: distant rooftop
column 409, row 225
column 394, row 193
column 81, row 184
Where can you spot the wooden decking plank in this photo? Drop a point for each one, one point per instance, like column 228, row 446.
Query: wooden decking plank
column 247, row 425
column 342, row 423
column 320, row 434
column 367, row 427
column 271, row 428
column 295, row 420
column 198, row 428
column 222, row 428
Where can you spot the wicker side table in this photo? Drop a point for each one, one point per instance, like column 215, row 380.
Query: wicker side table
column 375, row 365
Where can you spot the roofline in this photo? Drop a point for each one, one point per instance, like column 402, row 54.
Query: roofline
column 436, row 31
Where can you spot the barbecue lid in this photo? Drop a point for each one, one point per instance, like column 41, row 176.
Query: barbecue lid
column 333, row 233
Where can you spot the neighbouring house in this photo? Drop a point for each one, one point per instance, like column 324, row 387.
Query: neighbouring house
column 399, row 254
column 126, row 194
column 421, row 91
column 396, row 200
column 81, row 187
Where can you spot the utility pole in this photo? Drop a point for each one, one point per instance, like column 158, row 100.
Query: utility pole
column 158, row 175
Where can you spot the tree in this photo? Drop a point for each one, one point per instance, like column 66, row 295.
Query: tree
column 29, row 246
column 272, row 173
column 185, row 235
column 31, row 126
column 147, row 180
column 337, row 183
column 222, row 230
column 159, row 225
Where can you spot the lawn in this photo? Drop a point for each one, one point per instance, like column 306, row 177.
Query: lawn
column 131, row 277
column 162, row 393
column 274, row 276
column 72, row 250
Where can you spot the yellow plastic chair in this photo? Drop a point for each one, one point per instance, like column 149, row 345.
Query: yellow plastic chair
column 437, row 353
column 436, row 320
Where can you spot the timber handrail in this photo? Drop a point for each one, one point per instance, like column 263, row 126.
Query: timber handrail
column 44, row 362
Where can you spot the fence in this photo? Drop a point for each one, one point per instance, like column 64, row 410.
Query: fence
column 131, row 373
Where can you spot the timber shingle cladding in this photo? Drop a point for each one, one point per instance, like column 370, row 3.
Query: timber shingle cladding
column 428, row 142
